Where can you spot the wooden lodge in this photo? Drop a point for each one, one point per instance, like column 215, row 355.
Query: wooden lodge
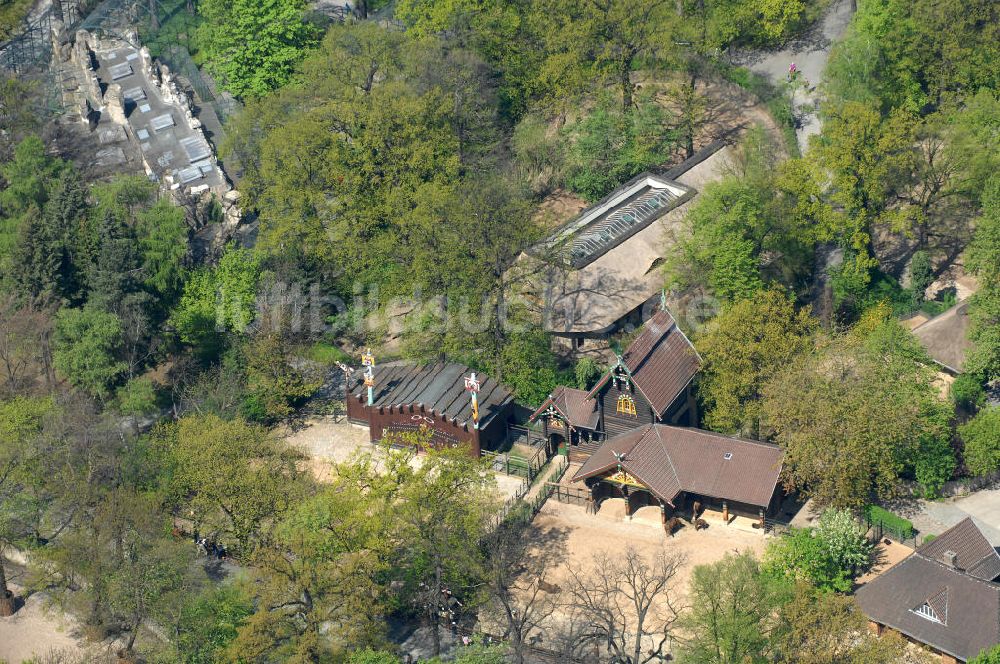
column 649, row 383
column 406, row 397
column 682, row 470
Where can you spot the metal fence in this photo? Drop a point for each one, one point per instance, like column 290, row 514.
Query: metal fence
column 31, row 45
column 514, row 465
column 570, row 494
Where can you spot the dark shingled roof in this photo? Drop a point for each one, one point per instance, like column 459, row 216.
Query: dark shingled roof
column 974, row 555
column 438, row 387
column 968, row 609
column 661, row 360
column 669, row 460
column 575, row 405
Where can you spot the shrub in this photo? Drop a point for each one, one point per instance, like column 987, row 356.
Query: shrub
column 967, row 392
column 802, row 556
column 981, row 436
column 921, row 275
column 899, row 526
column 843, row 539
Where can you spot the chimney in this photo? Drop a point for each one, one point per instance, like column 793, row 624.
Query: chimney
column 949, row 559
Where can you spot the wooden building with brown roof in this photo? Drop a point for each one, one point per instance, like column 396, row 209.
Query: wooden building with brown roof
column 676, row 467
column 649, row 383
column 943, row 596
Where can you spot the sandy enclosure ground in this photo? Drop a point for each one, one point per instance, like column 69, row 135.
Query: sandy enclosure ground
column 574, row 537
column 568, row 537
column 36, row 631
column 328, row 441
column 887, row 554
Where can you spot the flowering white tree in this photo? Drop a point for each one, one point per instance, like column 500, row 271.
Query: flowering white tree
column 844, row 539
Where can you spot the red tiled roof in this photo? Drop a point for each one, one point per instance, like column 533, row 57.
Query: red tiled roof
column 669, row 460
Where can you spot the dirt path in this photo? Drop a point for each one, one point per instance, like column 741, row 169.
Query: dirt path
column 810, row 54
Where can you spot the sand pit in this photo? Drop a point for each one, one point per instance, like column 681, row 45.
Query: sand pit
column 573, row 537
column 328, row 441
column 36, row 631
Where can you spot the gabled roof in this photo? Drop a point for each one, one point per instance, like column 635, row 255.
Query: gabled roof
column 661, row 362
column 946, row 337
column 575, row 405
column 973, row 553
column 437, row 387
column 967, row 608
column 668, row 460
column 603, row 283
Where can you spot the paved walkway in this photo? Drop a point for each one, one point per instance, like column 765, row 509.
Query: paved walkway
column 934, row 517
column 810, row 53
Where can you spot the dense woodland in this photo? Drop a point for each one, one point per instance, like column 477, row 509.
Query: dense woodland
column 147, row 384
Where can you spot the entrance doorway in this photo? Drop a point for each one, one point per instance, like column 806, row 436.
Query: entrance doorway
column 555, row 440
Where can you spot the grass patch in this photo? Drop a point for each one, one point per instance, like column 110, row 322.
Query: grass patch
column 327, row 354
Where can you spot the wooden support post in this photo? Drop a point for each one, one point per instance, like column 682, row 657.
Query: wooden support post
column 628, row 504
column 762, row 519
column 725, row 512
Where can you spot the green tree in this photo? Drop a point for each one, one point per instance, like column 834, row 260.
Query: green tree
column 991, row 656
column 47, row 246
column 981, row 437
column 855, row 415
column 163, row 236
column 803, row 556
column 21, row 459
column 586, row 371
column 445, row 505
column 29, row 177
column 218, row 301
column 758, row 224
column 870, row 162
column 967, row 392
column 232, row 478
column 321, row 591
column 86, row 348
column 748, row 344
column 921, row 275
column 137, row 398
column 828, row 628
column 604, row 41
column 608, row 146
column 915, row 54
column 732, row 618
column 147, row 569
column 982, row 259
column 253, row 46
column 208, row 623
column 275, row 386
